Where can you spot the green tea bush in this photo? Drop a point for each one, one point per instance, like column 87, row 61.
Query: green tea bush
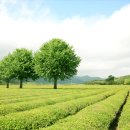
column 95, row 117
column 22, row 106
column 34, row 96
column 124, row 122
column 45, row 116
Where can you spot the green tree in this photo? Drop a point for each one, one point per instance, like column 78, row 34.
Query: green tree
column 24, row 66
column 7, row 69
column 110, row 79
column 56, row 60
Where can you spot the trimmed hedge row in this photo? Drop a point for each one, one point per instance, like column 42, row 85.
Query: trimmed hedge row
column 124, row 122
column 26, row 93
column 34, row 97
column 44, row 116
column 95, row 117
column 22, row 106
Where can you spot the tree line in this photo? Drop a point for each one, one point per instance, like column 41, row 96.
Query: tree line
column 55, row 60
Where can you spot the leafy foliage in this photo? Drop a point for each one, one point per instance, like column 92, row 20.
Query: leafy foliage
column 24, row 66
column 56, row 60
column 110, row 79
column 7, row 68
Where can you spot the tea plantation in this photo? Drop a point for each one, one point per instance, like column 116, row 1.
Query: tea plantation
column 70, row 107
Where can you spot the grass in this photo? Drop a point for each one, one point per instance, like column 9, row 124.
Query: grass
column 41, row 107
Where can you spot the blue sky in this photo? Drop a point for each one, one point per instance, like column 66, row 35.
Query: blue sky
column 84, row 8
column 99, row 30
column 61, row 9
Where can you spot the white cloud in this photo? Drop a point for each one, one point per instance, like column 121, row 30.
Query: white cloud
column 102, row 42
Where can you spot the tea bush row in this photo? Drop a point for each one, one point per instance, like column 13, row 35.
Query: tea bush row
column 44, row 116
column 124, row 122
column 22, row 106
column 95, row 117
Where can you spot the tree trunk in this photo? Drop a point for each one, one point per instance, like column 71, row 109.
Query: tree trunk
column 7, row 84
column 21, row 83
column 55, row 83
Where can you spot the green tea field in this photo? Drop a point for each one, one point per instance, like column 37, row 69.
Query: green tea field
column 72, row 107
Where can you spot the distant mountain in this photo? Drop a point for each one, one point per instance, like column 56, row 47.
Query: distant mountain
column 123, row 77
column 118, row 80
column 74, row 80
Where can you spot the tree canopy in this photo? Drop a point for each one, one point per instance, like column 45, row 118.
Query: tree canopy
column 24, row 66
column 110, row 79
column 7, row 68
column 56, row 60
